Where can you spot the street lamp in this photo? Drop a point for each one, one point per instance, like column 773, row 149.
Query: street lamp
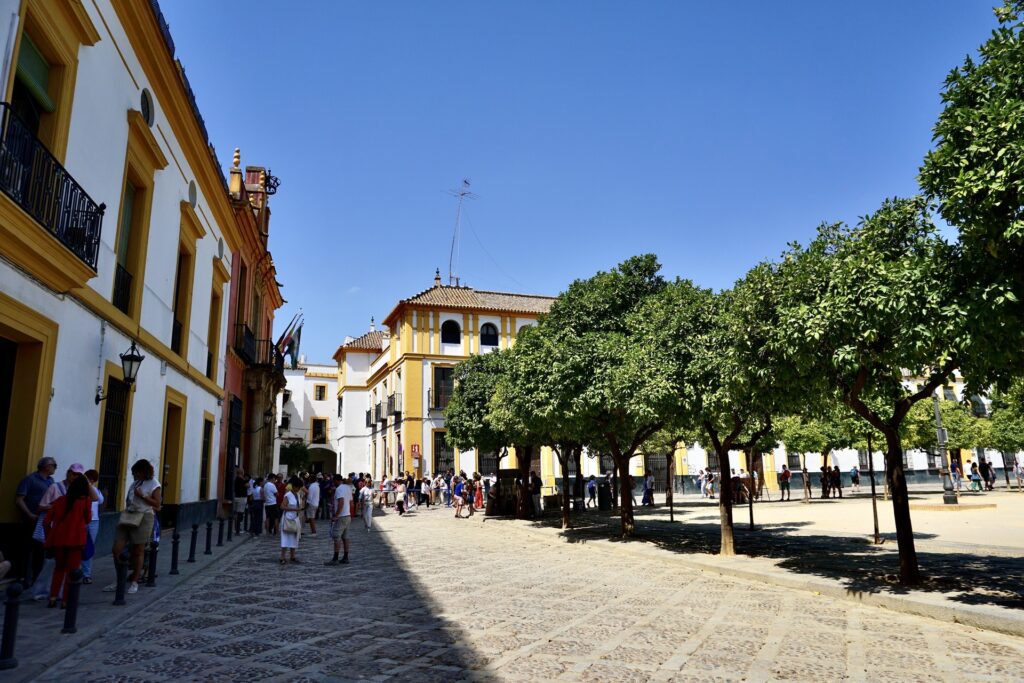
column 130, row 362
column 268, row 417
column 948, row 494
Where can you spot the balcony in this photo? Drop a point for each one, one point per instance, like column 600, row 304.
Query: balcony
column 379, row 414
column 245, row 343
column 437, row 399
column 34, row 180
column 369, row 418
column 395, row 406
column 266, row 355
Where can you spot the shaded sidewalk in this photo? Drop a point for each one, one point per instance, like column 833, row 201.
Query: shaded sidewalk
column 40, row 642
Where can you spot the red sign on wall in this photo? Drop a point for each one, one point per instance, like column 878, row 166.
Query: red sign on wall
column 415, row 450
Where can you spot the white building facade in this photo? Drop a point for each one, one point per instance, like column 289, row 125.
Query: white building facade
column 309, row 413
column 115, row 228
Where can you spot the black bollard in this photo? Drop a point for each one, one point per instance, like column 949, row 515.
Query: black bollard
column 175, row 539
column 209, row 538
column 192, row 544
column 220, row 532
column 121, row 566
column 231, row 525
column 71, row 611
column 154, row 550
column 7, row 658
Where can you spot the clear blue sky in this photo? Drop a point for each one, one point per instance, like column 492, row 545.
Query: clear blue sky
column 710, row 133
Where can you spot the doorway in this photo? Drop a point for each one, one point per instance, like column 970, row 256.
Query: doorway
column 174, row 437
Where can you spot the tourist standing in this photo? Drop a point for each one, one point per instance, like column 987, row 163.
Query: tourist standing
column 271, row 510
column 30, row 491
column 291, row 526
column 93, row 528
column 957, row 475
column 784, row 478
column 312, row 504
column 256, row 508
column 1018, row 472
column 135, row 526
column 66, row 534
column 854, row 479
column 591, row 491
column 535, row 489
column 366, row 500
column 241, row 498
column 341, row 518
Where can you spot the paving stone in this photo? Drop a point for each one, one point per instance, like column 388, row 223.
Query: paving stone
column 516, row 606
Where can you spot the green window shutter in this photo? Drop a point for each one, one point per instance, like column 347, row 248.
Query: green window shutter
column 34, row 72
column 124, row 238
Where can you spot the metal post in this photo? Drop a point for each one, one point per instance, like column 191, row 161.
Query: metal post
column 220, row 532
column 154, row 550
column 948, row 494
column 874, row 500
column 192, row 544
column 71, row 612
column 245, row 519
column 209, row 538
column 121, row 567
column 175, row 540
column 11, row 605
column 231, row 526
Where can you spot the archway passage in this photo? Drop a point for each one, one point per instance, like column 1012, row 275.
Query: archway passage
column 323, row 459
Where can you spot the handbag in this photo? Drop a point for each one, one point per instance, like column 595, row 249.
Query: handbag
column 290, row 525
column 130, row 518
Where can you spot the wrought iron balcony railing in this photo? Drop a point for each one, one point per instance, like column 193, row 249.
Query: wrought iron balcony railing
column 245, row 343
column 395, row 404
column 369, row 418
column 437, row 399
column 267, row 355
column 34, row 180
column 379, row 414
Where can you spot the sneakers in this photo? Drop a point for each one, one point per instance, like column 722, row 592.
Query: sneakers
column 331, row 563
column 110, row 588
column 133, row 588
column 343, row 560
column 312, row 535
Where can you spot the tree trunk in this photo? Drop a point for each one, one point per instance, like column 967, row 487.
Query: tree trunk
column 524, row 504
column 728, row 546
column 909, row 571
column 750, row 493
column 615, row 483
column 577, row 484
column 826, row 488
column 563, row 462
column 671, row 485
column 807, row 481
column 626, row 496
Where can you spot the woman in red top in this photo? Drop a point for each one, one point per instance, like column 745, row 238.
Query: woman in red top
column 65, row 525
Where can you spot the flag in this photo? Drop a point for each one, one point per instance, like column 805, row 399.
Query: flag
column 294, row 348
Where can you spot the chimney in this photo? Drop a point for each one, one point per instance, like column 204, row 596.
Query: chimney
column 235, row 184
column 437, row 277
column 373, row 328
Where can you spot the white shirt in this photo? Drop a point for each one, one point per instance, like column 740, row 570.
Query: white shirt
column 313, row 497
column 366, row 495
column 146, row 488
column 269, row 494
column 257, row 492
column 96, row 505
column 343, row 500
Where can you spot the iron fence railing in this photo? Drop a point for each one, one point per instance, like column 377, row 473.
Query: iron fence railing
column 34, row 180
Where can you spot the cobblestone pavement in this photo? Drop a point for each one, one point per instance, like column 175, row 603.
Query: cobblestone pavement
column 431, row 598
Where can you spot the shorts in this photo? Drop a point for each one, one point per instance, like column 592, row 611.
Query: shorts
column 273, row 512
column 311, row 511
column 856, row 481
column 783, row 485
column 339, row 527
column 138, row 535
column 239, row 505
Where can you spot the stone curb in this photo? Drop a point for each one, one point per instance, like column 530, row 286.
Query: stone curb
column 753, row 569
column 62, row 646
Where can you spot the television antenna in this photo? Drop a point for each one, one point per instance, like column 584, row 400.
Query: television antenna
column 462, row 194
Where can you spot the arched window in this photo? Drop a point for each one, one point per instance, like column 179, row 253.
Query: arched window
column 488, row 335
column 523, row 327
column 450, row 332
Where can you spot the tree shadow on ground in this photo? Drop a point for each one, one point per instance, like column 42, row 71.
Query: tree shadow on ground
column 969, row 576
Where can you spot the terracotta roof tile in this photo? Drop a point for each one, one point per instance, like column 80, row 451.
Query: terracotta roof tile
column 371, row 341
column 448, row 296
